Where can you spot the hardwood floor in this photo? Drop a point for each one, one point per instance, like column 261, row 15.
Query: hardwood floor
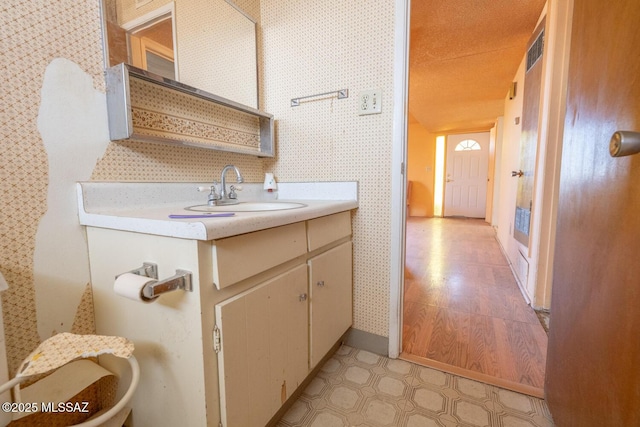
column 463, row 310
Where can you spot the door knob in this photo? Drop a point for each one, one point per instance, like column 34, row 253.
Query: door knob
column 449, row 180
column 517, row 173
column 624, row 143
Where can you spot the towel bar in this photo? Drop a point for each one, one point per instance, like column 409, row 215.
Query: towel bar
column 341, row 94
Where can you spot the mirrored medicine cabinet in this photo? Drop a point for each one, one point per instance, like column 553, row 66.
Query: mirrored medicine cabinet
column 198, row 54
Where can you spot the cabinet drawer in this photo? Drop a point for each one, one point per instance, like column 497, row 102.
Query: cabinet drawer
column 324, row 230
column 240, row 257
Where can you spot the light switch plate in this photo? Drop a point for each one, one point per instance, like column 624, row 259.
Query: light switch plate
column 370, row 102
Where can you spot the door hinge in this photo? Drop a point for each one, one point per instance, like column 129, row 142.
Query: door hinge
column 217, row 339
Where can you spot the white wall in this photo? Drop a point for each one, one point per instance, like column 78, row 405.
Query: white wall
column 510, row 161
column 533, row 266
column 72, row 122
column 497, row 178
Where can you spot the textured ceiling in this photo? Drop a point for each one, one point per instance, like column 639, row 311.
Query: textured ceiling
column 463, row 57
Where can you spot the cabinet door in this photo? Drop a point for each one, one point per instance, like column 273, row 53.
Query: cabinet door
column 264, row 348
column 331, row 295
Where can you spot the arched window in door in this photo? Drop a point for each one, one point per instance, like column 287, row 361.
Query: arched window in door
column 468, row 145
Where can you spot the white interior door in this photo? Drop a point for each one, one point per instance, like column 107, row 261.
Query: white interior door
column 467, row 164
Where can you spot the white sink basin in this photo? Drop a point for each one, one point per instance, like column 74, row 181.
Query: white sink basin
column 247, row 207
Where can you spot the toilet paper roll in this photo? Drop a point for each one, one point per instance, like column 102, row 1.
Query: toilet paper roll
column 130, row 286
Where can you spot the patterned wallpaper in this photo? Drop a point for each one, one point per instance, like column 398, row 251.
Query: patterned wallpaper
column 332, row 45
column 211, row 32
column 31, row 36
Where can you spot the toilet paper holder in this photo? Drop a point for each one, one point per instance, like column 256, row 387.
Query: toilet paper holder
column 152, row 290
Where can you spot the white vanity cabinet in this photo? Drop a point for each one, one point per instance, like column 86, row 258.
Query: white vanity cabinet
column 233, row 350
column 273, row 334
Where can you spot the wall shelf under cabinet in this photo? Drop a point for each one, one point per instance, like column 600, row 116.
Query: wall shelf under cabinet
column 143, row 106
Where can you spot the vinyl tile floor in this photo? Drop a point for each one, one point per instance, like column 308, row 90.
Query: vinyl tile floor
column 358, row 388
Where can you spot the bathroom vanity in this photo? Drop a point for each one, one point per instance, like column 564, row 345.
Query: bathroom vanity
column 271, row 296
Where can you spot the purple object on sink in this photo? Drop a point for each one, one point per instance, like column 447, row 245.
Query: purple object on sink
column 211, row 215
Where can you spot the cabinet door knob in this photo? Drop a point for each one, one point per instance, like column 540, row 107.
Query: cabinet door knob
column 303, row 297
column 320, row 283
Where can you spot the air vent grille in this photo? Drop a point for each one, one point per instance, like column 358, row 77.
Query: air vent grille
column 535, row 51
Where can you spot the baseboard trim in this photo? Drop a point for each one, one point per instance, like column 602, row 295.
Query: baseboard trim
column 367, row 341
column 521, row 286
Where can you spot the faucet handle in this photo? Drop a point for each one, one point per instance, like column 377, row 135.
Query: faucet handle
column 213, row 193
column 232, row 191
column 213, row 187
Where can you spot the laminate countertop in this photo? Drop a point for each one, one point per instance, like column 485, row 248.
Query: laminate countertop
column 145, row 207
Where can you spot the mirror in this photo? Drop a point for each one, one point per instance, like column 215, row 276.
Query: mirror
column 207, row 44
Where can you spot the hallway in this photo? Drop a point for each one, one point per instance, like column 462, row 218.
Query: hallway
column 463, row 311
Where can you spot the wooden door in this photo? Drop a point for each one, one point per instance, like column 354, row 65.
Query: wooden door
column 467, row 166
column 264, row 348
column 330, row 290
column 593, row 375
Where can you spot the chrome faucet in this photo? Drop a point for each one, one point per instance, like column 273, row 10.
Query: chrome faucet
column 228, row 198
